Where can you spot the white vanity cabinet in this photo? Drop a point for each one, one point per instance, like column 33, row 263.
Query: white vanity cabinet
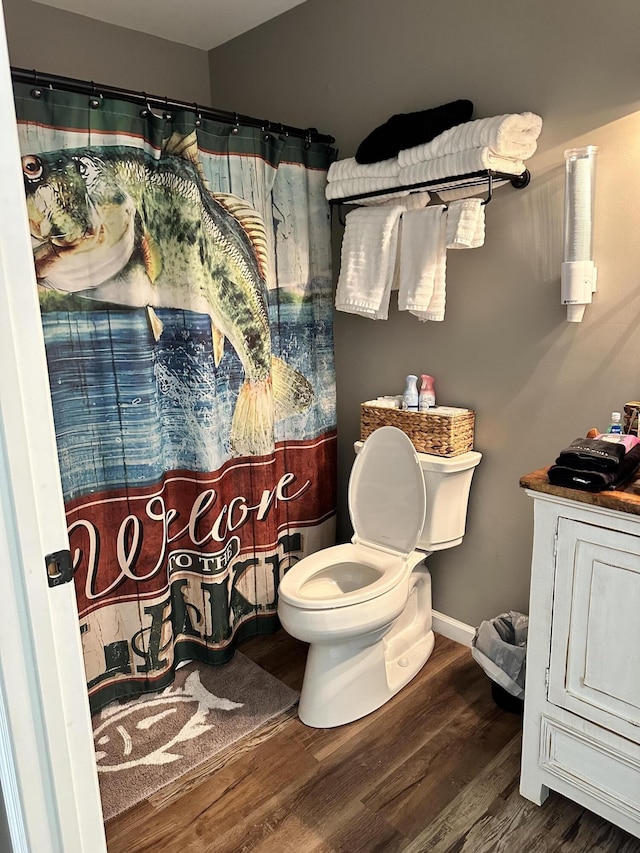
column 582, row 694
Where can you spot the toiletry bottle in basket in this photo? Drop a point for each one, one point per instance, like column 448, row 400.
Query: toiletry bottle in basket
column 410, row 396
column 615, row 426
column 427, row 395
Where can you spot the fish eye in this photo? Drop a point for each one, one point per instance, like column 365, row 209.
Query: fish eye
column 32, row 167
column 86, row 168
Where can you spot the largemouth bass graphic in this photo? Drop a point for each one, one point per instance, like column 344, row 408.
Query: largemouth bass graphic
column 118, row 225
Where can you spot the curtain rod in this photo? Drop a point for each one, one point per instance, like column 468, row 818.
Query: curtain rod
column 84, row 87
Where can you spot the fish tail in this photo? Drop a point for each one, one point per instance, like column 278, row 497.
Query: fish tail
column 292, row 392
column 252, row 424
column 287, row 392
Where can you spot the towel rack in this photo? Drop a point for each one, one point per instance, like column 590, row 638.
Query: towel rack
column 472, row 179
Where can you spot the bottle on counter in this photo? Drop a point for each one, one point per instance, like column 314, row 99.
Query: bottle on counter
column 427, row 394
column 615, row 425
column 410, row 396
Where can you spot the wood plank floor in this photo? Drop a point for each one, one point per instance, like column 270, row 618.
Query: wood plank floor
column 435, row 769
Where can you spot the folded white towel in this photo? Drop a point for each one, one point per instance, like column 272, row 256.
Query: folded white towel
column 359, row 186
column 350, row 168
column 460, row 163
column 423, row 261
column 513, row 135
column 368, row 258
column 465, row 224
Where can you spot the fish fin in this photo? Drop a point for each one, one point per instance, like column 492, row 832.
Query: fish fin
column 155, row 323
column 292, row 392
column 185, row 146
column 252, row 424
column 252, row 223
column 151, row 255
column 218, row 343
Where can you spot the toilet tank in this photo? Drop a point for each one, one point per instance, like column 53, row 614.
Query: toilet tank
column 447, row 482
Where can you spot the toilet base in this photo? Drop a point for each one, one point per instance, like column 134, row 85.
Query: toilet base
column 344, row 681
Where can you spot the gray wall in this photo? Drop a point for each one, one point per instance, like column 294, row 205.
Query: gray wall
column 58, row 42
column 505, row 348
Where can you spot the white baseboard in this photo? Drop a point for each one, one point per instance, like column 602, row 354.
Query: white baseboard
column 452, row 629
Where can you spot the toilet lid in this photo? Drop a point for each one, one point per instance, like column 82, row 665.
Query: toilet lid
column 387, row 496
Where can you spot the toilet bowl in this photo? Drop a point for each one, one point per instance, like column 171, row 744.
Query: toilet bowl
column 365, row 607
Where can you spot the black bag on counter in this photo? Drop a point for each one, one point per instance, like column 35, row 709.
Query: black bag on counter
column 592, row 454
column 594, row 480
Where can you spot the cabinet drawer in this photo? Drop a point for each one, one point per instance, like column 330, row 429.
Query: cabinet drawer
column 607, row 771
column 595, row 644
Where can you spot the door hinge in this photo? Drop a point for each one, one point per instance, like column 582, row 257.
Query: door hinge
column 59, row 567
column 546, row 677
column 555, row 544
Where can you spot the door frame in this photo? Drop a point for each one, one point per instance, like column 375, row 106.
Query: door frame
column 48, row 776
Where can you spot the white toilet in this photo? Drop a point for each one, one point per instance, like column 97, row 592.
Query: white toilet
column 365, row 607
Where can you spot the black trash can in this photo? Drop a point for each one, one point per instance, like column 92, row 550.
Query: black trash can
column 500, row 647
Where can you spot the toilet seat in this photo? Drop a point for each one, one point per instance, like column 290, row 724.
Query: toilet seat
column 320, row 581
column 387, row 504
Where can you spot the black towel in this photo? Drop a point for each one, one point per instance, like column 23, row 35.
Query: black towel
column 406, row 130
column 592, row 454
column 597, row 481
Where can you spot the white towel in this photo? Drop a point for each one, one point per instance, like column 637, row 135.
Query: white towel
column 460, row 163
column 423, row 262
column 350, row 168
column 368, row 258
column 513, row 135
column 465, row 224
column 359, row 186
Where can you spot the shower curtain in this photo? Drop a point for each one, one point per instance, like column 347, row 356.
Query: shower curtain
column 184, row 280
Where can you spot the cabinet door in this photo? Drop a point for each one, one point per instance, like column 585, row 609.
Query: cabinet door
column 595, row 643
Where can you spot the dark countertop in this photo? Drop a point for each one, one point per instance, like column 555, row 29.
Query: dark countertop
column 626, row 499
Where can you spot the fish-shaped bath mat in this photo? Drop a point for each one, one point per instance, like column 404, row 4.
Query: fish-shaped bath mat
column 148, row 742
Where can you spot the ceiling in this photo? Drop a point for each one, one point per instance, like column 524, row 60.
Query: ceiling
column 204, row 24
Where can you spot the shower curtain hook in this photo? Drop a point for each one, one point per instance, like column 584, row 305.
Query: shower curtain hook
column 267, row 135
column 198, row 120
column 144, row 112
column 307, row 140
column 166, row 115
column 36, row 92
column 236, row 128
column 94, row 100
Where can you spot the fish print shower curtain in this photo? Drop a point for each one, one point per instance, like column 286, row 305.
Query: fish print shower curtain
column 184, row 280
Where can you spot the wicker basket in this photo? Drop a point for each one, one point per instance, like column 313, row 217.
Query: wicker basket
column 440, row 434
